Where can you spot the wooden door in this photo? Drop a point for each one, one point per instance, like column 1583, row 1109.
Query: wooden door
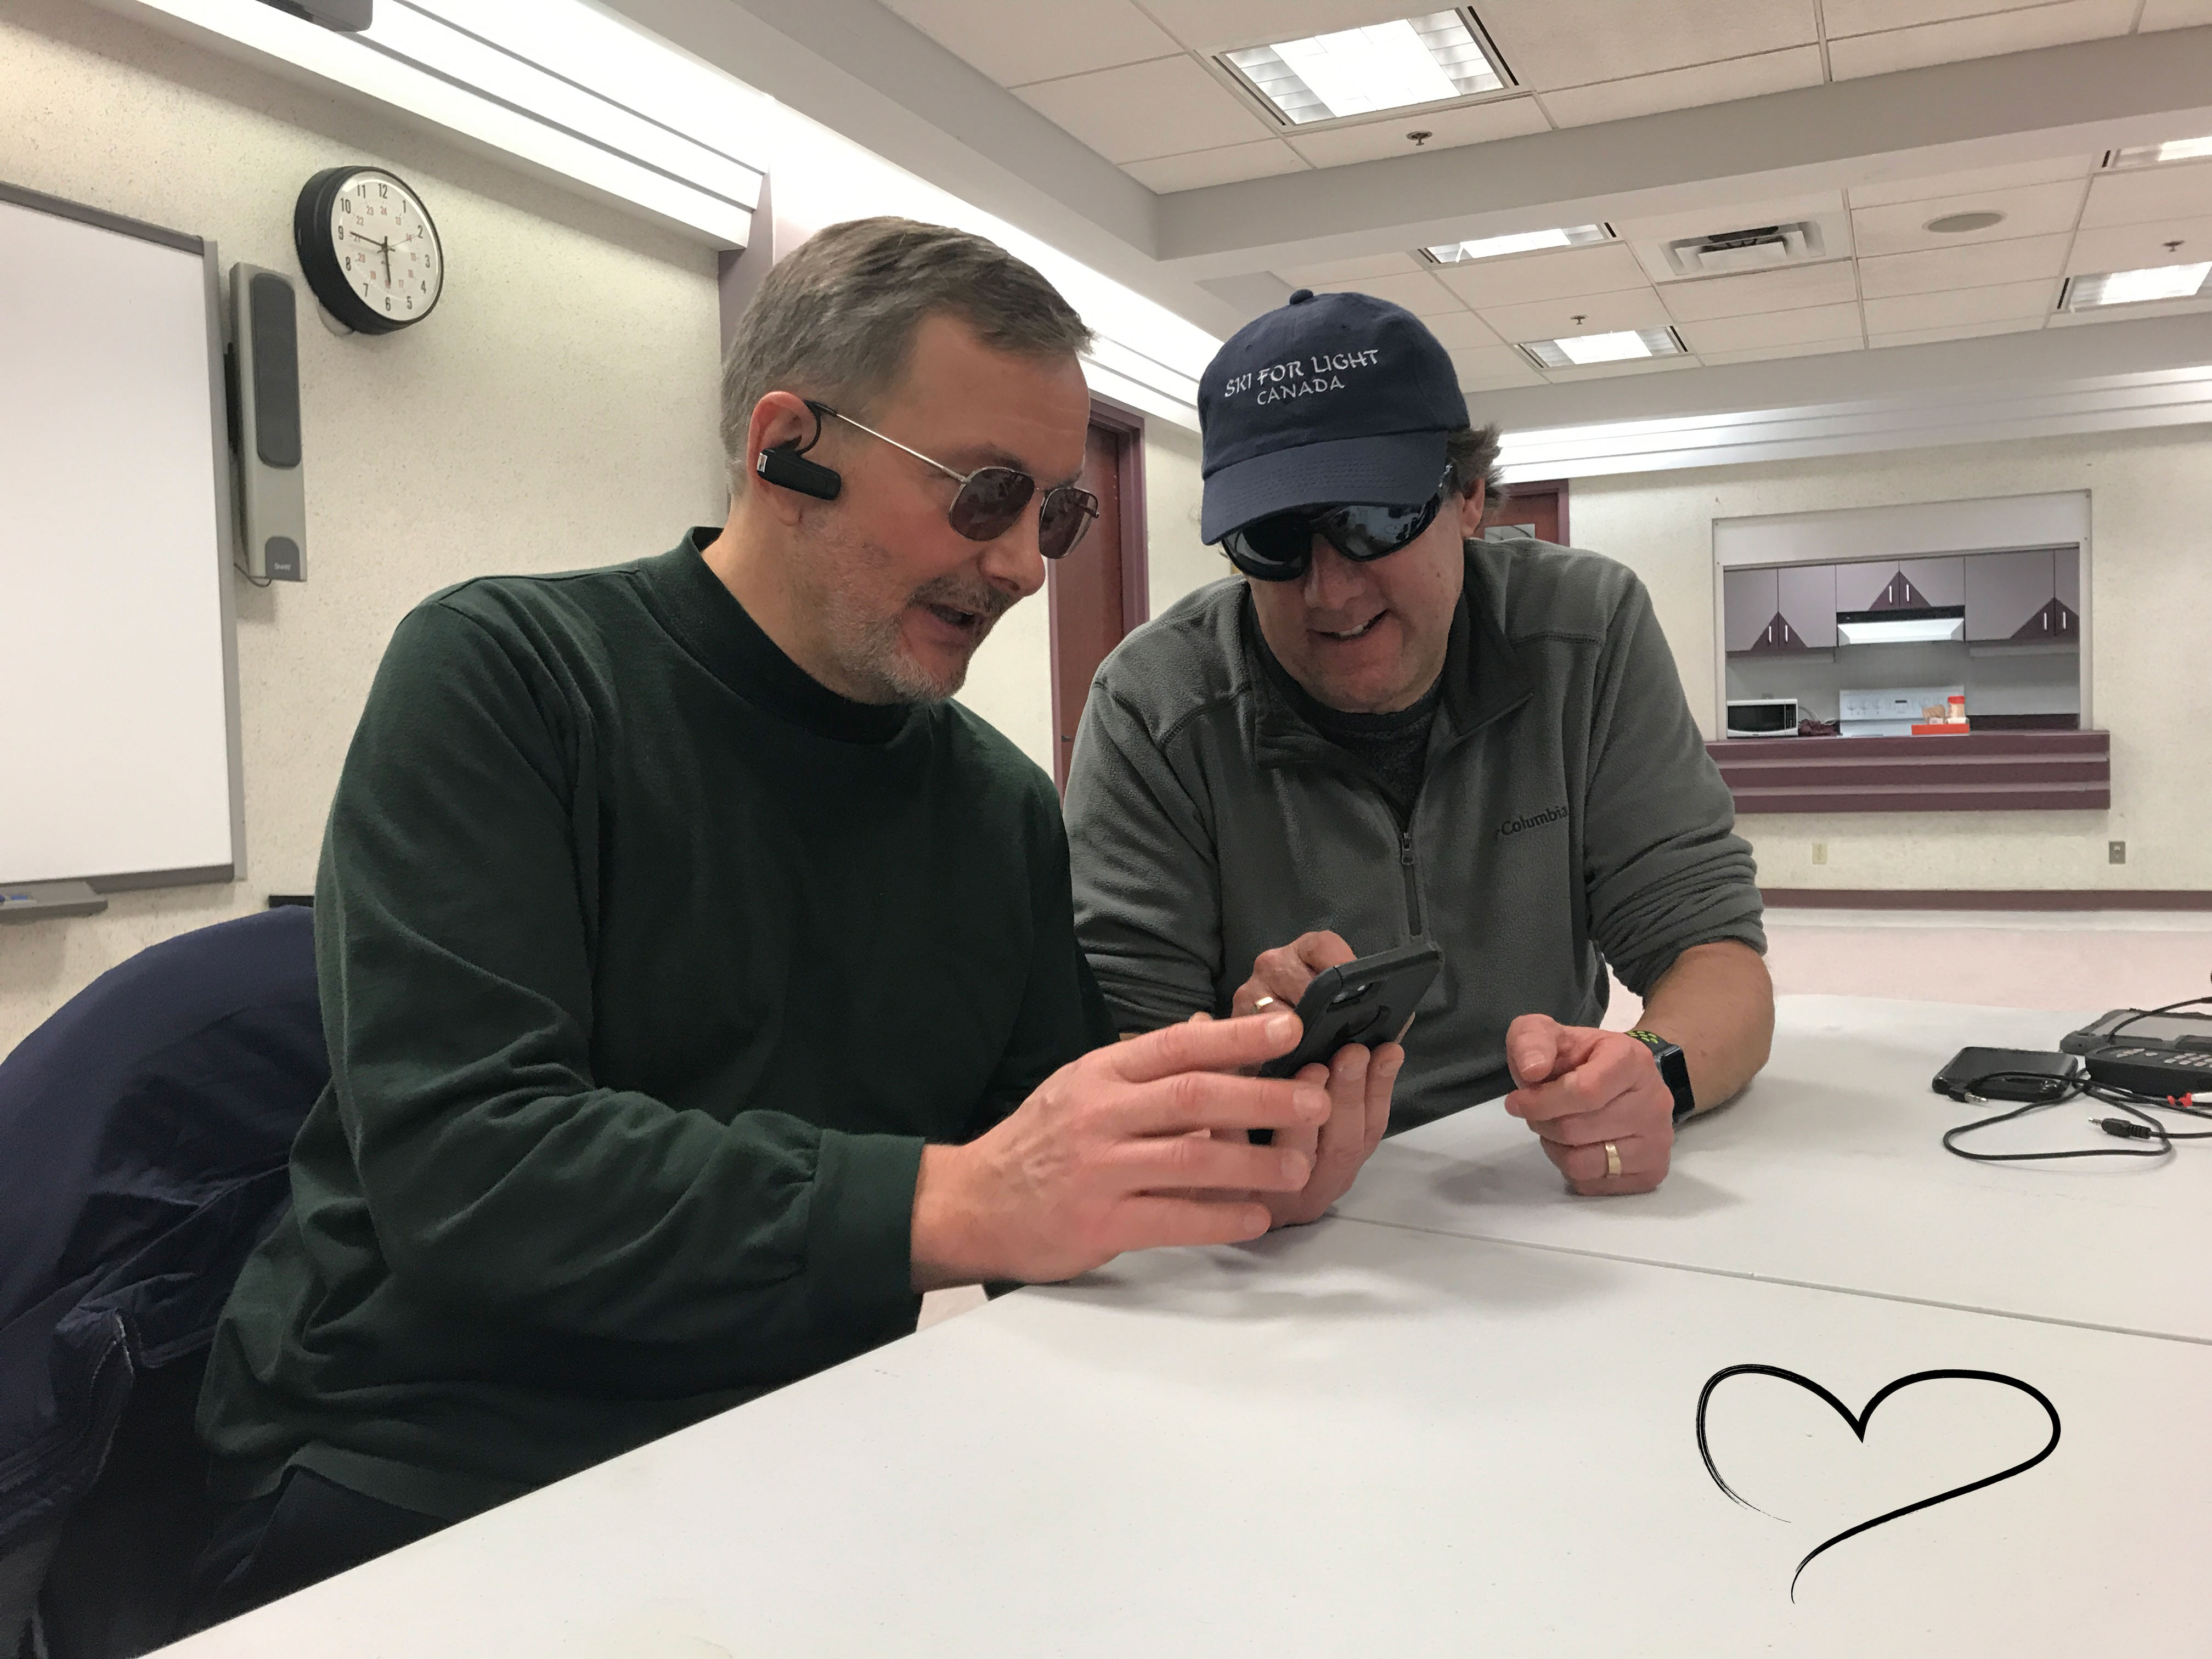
column 1099, row 593
column 1531, row 509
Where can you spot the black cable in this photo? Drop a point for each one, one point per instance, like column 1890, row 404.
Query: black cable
column 2138, row 1125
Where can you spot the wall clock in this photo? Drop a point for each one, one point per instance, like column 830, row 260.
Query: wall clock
column 369, row 249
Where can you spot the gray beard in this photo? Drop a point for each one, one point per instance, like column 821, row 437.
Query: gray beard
column 867, row 645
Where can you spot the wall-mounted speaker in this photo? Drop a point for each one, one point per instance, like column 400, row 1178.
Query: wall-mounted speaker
column 265, row 331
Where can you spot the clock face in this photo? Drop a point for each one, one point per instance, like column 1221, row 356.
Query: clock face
column 385, row 247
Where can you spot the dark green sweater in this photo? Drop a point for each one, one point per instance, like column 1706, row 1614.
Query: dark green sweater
column 648, row 966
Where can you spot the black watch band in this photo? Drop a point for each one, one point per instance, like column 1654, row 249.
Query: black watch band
column 1673, row 1071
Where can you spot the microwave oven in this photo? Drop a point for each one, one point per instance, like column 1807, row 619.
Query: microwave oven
column 1763, row 717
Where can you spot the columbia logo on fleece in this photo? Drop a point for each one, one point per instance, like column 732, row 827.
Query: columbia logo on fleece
column 1537, row 821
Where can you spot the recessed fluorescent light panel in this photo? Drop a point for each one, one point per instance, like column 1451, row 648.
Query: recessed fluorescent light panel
column 1616, row 347
column 1931, row 626
column 1524, row 241
column 2127, row 287
column 1364, row 71
column 2145, row 155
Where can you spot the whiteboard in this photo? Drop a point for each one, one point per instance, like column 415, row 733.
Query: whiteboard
column 118, row 728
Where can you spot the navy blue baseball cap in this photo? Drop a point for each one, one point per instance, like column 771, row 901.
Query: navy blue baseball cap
column 1332, row 398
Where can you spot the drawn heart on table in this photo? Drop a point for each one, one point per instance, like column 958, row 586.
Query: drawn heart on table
column 1858, row 1426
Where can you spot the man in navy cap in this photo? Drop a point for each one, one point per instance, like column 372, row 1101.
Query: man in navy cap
column 1384, row 728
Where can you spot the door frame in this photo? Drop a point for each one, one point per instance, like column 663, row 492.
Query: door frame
column 1128, row 429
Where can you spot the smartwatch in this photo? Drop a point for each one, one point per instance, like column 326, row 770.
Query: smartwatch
column 1673, row 1071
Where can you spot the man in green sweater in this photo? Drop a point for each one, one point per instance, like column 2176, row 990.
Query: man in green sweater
column 701, row 983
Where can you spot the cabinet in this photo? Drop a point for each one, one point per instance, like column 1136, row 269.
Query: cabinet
column 1790, row 609
column 1899, row 583
column 2033, row 596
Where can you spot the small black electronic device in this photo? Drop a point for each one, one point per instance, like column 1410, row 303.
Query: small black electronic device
column 1370, row 1000
column 786, row 467
column 2157, row 1052
column 2025, row 1074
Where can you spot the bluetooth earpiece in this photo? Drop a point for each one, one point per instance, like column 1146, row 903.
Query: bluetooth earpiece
column 787, row 466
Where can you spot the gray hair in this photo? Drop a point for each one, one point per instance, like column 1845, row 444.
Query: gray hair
column 1471, row 452
column 837, row 318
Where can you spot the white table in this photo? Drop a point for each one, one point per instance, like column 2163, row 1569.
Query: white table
column 1828, row 1171
column 1350, row 1440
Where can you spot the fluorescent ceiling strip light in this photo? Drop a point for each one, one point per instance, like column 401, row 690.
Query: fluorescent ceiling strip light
column 1617, row 347
column 266, row 32
column 2127, row 287
column 418, row 38
column 1905, row 631
column 1362, row 71
column 1523, row 241
column 2178, row 149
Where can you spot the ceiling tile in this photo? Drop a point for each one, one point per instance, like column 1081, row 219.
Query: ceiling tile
column 1572, row 42
column 2147, row 195
column 1830, row 283
column 1883, row 192
column 1491, row 366
column 2028, row 209
column 1014, row 41
column 1471, row 124
column 1807, row 348
column 1956, row 331
column 1165, row 107
column 2173, row 14
column 1603, row 268
column 2135, row 247
column 1353, row 270
column 1418, row 292
column 1977, row 264
column 1978, row 37
column 1461, row 330
column 1218, row 25
column 1963, row 305
column 1686, row 88
column 1228, row 166
column 1869, row 16
column 1775, row 328
column 1555, row 320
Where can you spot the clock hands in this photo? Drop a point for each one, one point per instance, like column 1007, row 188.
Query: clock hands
column 384, row 246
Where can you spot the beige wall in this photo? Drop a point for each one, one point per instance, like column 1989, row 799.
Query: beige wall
column 558, row 410
column 1179, row 561
column 2149, row 566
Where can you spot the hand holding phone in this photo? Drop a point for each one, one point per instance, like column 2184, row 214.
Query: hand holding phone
column 1369, row 1000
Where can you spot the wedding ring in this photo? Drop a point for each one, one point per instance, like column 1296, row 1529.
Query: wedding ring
column 1612, row 1159
column 1264, row 1002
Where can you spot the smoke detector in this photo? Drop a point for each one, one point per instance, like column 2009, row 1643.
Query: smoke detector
column 1758, row 247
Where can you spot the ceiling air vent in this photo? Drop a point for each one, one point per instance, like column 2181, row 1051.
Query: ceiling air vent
column 1762, row 247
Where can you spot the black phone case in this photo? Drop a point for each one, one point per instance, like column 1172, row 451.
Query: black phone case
column 1369, row 1000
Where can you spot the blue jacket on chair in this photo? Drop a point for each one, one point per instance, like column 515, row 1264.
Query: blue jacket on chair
column 145, row 1131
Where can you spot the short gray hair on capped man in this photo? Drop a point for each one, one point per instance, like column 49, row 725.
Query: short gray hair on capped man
column 837, row 318
column 1471, row 452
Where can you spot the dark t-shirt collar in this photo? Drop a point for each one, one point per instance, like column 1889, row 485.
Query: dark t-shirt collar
column 706, row 618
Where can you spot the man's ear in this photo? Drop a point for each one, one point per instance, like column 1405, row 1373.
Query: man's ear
column 1471, row 509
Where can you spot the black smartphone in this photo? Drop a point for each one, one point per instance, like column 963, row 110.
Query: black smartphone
column 1370, row 1000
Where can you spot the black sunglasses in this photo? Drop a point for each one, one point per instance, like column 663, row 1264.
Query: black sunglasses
column 1280, row 547
column 991, row 498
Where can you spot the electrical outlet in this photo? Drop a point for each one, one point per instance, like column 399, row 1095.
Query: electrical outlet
column 1819, row 852
column 2116, row 851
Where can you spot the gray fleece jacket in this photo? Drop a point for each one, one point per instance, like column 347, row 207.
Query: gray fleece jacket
column 1568, row 817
